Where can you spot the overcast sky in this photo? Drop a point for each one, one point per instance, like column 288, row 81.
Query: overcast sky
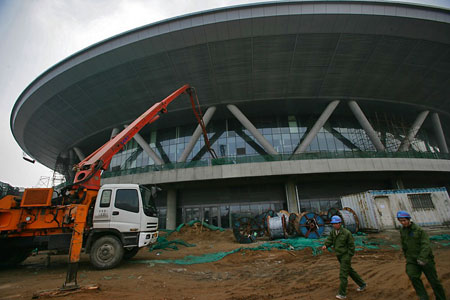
column 38, row 34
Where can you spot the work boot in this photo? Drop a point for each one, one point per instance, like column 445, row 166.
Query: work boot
column 341, row 296
column 361, row 288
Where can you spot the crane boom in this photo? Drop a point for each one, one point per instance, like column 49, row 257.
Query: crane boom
column 88, row 170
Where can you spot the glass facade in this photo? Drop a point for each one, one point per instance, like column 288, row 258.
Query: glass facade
column 230, row 139
column 221, row 215
column 319, row 204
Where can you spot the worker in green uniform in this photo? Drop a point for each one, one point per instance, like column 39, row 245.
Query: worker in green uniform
column 419, row 257
column 344, row 246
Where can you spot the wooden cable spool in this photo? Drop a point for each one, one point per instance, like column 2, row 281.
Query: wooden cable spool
column 277, row 227
column 350, row 219
column 311, row 225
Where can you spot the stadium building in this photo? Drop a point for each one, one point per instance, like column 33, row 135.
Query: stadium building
column 304, row 102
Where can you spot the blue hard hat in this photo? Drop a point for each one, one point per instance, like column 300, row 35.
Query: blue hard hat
column 403, row 214
column 335, row 220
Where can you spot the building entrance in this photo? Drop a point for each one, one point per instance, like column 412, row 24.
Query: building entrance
column 222, row 215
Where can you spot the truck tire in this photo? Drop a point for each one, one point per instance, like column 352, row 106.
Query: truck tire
column 130, row 252
column 106, row 252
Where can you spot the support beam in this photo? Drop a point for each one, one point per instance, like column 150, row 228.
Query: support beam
column 340, row 137
column 317, row 126
column 365, row 124
column 114, row 132
column 71, row 157
column 292, row 197
column 171, row 216
column 397, row 183
column 79, row 153
column 197, row 133
column 141, row 142
column 204, row 149
column 404, row 146
column 250, row 127
column 440, row 137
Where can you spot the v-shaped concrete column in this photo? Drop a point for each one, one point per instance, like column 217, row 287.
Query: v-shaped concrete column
column 319, row 124
column 114, row 132
column 439, row 133
column 404, row 146
column 196, row 135
column 146, row 147
column 365, row 124
column 250, row 127
column 79, row 153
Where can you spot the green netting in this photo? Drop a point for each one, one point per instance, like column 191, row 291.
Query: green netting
column 297, row 243
column 190, row 259
column 210, row 227
column 443, row 239
column 163, row 243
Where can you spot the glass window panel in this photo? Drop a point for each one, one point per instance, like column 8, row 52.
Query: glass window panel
column 105, row 199
column 314, row 146
column 321, row 141
column 315, row 206
column 127, row 199
column 225, row 216
column 292, row 124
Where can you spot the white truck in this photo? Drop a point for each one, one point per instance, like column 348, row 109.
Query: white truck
column 124, row 220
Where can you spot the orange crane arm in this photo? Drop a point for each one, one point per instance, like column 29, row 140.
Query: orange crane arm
column 89, row 170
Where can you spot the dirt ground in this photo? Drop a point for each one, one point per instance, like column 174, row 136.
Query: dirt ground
column 275, row 274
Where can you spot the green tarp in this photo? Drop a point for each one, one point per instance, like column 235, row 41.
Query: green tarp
column 297, row 243
column 443, row 239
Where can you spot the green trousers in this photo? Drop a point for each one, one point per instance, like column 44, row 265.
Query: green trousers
column 414, row 272
column 345, row 270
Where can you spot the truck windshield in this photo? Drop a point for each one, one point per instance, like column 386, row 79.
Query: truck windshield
column 148, row 202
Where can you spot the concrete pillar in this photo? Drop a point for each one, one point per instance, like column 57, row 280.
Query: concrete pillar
column 250, row 127
column 71, row 157
column 171, row 217
column 197, row 133
column 293, row 204
column 365, row 124
column 79, row 153
column 141, row 142
column 317, row 126
column 440, row 137
column 397, row 183
column 404, row 146
column 114, row 132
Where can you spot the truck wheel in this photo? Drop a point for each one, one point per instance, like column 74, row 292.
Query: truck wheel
column 106, row 252
column 130, row 252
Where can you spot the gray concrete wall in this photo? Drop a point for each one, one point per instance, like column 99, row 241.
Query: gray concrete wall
column 316, row 166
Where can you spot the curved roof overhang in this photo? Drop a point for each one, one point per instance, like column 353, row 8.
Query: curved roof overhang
column 375, row 51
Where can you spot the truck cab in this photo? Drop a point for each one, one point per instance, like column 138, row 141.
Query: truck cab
column 124, row 220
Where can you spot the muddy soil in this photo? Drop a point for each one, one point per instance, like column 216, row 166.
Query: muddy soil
column 275, row 274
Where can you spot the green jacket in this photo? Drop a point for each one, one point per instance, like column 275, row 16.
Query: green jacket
column 416, row 244
column 343, row 243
